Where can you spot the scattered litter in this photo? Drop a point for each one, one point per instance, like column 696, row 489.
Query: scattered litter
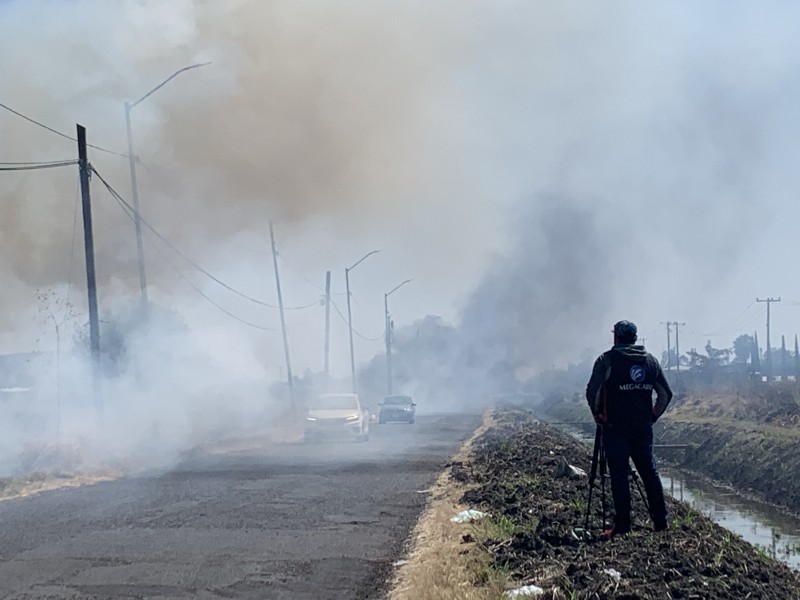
column 616, row 575
column 428, row 491
column 467, row 516
column 564, row 469
column 526, row 591
column 552, row 453
column 399, row 563
column 579, row 533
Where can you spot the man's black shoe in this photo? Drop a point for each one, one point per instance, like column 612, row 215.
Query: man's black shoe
column 661, row 527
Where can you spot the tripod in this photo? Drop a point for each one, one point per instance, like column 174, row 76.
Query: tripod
column 600, row 467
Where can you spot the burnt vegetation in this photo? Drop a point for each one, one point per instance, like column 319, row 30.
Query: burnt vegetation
column 535, row 535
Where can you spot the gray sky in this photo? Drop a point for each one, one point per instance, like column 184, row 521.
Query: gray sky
column 439, row 133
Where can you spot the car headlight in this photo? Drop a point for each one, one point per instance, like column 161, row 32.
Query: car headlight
column 311, row 418
column 353, row 418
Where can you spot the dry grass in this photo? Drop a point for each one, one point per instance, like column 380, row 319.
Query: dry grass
column 440, row 565
column 38, row 482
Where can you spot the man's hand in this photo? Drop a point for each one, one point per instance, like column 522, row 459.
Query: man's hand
column 600, row 419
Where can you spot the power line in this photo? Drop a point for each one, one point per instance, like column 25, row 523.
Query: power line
column 344, row 319
column 189, row 260
column 50, row 129
column 299, row 274
column 36, row 167
column 129, row 213
column 736, row 323
column 35, row 162
column 264, row 252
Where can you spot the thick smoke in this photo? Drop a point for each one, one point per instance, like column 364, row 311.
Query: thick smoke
column 535, row 304
column 539, row 170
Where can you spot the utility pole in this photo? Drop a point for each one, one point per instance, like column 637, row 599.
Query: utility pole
column 388, row 327
column 350, row 315
column 137, row 220
column 669, row 344
column 283, row 318
column 677, row 348
column 389, row 334
column 91, row 278
column 327, row 327
column 129, row 106
column 769, row 346
column 350, row 329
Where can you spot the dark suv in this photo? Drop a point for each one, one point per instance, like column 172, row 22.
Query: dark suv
column 397, row 408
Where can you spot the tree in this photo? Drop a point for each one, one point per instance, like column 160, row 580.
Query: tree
column 796, row 360
column 710, row 364
column 743, row 348
column 755, row 355
column 784, row 372
column 61, row 313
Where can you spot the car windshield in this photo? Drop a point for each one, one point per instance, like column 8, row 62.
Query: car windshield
column 398, row 400
column 344, row 402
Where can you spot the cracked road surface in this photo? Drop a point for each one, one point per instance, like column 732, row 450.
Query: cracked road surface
column 279, row 522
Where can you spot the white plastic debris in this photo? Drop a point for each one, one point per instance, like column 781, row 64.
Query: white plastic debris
column 399, row 563
column 613, row 573
column 564, row 469
column 468, row 516
column 526, row 591
column 577, row 471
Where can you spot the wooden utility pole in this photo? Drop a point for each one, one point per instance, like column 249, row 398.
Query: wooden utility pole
column 327, row 328
column 91, row 278
column 677, row 348
column 769, row 346
column 283, row 318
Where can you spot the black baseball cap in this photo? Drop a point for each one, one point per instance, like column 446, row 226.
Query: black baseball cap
column 625, row 330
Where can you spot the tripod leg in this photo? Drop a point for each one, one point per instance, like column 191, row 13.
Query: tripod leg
column 592, row 474
column 603, row 479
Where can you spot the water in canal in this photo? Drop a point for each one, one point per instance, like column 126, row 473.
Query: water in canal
column 762, row 525
column 765, row 527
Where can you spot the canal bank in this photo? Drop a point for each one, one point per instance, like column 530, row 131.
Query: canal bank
column 718, row 472
column 534, row 533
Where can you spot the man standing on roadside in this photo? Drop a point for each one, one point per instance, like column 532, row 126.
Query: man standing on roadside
column 620, row 396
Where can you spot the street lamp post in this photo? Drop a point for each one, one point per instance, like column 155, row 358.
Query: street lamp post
column 389, row 335
column 350, row 315
column 134, row 186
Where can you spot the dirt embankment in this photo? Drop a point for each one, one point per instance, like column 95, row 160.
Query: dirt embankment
column 533, row 533
column 759, row 463
column 537, row 538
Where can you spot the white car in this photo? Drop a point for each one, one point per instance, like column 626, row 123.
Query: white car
column 337, row 415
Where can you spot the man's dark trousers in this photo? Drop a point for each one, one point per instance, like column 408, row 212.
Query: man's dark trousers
column 634, row 441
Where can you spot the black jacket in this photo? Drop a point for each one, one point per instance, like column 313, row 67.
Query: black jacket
column 622, row 384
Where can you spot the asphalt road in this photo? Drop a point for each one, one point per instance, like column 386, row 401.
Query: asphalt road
column 278, row 522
